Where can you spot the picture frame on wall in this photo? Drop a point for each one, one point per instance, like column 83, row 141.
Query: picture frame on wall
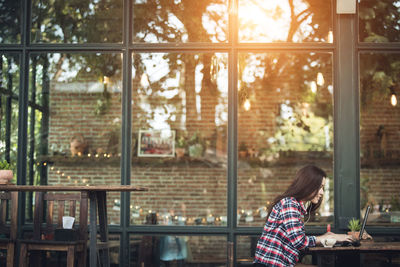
column 156, row 143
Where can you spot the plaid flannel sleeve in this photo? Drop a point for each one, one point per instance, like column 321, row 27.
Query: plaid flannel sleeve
column 294, row 226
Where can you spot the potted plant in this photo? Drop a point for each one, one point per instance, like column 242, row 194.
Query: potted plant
column 354, row 227
column 196, row 145
column 6, row 174
column 395, row 209
column 180, row 146
column 242, row 150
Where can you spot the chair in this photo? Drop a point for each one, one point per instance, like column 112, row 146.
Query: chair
column 43, row 233
column 8, row 230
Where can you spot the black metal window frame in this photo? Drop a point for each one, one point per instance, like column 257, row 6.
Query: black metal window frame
column 345, row 50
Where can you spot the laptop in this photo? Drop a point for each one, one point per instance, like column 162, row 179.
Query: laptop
column 356, row 243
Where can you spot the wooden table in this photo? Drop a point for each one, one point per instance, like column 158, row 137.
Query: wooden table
column 389, row 248
column 98, row 202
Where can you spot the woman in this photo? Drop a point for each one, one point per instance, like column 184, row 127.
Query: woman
column 283, row 235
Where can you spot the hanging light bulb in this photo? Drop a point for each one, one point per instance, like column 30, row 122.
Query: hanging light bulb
column 320, row 79
column 330, row 37
column 247, row 105
column 313, row 86
column 393, row 99
column 106, row 80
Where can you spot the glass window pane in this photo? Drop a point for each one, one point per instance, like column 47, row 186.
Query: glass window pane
column 9, row 109
column 78, row 22
column 285, row 21
column 10, row 21
column 76, row 121
column 179, row 111
column 379, row 22
column 178, row 250
column 285, row 122
column 379, row 137
column 245, row 249
column 180, row 21
column 115, row 249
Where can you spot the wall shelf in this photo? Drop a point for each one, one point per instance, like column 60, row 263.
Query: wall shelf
column 136, row 161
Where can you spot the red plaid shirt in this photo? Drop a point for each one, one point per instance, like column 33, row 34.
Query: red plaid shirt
column 283, row 235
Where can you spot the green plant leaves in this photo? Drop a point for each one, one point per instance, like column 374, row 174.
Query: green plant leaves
column 4, row 165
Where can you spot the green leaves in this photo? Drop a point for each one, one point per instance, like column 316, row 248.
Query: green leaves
column 4, row 165
column 354, row 225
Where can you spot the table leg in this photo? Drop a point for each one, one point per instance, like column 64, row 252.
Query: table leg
column 326, row 260
column 93, row 230
column 102, row 205
column 349, row 259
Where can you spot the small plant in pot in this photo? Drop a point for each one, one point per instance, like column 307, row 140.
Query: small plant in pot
column 180, row 148
column 6, row 174
column 395, row 209
column 242, row 150
column 196, row 145
column 354, row 227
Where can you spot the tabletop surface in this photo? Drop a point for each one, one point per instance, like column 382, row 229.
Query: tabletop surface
column 365, row 246
column 120, row 188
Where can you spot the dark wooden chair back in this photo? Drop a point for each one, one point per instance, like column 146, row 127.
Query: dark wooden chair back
column 54, row 206
column 8, row 228
column 48, row 215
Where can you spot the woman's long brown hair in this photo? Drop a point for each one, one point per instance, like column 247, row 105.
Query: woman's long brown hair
column 305, row 186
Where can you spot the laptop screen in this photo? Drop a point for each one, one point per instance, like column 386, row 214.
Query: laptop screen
column 364, row 222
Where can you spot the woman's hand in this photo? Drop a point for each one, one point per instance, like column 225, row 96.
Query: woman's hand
column 342, row 237
column 338, row 237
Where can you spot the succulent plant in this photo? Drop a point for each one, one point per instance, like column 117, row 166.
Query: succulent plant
column 354, row 225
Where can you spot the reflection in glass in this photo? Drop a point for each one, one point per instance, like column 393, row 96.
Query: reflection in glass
column 285, row 21
column 84, row 21
column 379, row 137
column 177, row 250
column 245, row 249
column 183, row 97
column 115, row 249
column 379, row 21
column 75, row 124
column 180, row 21
column 9, row 86
column 10, row 21
column 285, row 121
